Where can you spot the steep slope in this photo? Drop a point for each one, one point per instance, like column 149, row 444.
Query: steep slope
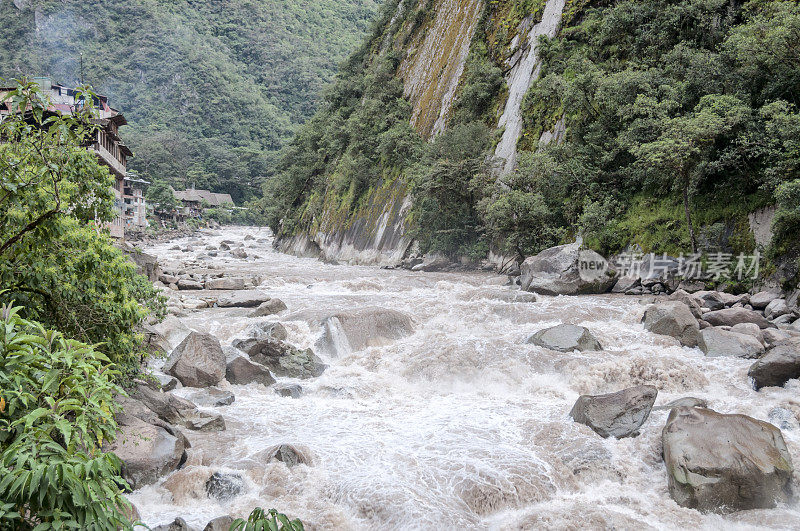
column 673, row 121
column 212, row 90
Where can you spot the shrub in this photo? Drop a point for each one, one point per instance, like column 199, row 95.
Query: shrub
column 58, row 413
column 259, row 520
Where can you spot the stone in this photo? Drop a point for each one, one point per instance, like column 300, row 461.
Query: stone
column 514, row 296
column 750, row 329
column 691, row 286
column 673, row 319
column 270, row 307
column 243, row 299
column 147, row 452
column 166, row 406
column 226, row 283
column 167, row 382
column 761, row 300
column 185, row 284
column 211, row 397
column 713, row 300
column 239, row 253
column 168, row 279
column 198, row 361
column 167, row 334
column 289, row 390
column 772, row 336
column 206, row 423
column 776, row 308
column 567, row 270
column 283, row 359
column 179, row 524
column 624, row 284
column 784, row 321
column 242, row 371
column 778, row 366
column 715, row 342
column 565, row 338
column 287, row 454
column 224, row 487
column 619, row 414
column 734, row 316
column 691, row 302
column 723, row 463
column 221, row 523
column 347, row 332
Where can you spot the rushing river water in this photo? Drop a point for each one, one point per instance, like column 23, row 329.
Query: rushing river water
column 460, row 425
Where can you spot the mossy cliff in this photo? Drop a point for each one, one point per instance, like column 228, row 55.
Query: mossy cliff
column 506, row 126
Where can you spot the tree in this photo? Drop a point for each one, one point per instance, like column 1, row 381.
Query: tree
column 56, row 259
column 161, row 196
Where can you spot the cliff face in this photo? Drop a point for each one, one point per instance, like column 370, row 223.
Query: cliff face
column 433, row 39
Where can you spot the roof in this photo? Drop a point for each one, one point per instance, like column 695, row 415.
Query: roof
column 212, row 198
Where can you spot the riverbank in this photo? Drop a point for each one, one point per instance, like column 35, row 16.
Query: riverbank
column 458, row 424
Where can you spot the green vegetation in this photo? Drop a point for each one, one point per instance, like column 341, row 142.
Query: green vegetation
column 55, row 260
column 212, row 90
column 56, row 412
column 259, row 520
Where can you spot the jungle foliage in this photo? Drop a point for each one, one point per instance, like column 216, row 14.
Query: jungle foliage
column 212, row 90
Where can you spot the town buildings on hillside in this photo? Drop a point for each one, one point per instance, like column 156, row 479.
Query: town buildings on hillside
column 110, row 149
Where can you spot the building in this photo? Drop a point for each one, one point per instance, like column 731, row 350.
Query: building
column 134, row 207
column 110, row 149
column 195, row 201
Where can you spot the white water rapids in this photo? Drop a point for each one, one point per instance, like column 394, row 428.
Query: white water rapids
column 460, row 425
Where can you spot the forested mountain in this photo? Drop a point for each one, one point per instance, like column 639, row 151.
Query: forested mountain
column 212, row 90
column 661, row 123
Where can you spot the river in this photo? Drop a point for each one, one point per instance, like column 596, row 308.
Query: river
column 460, row 425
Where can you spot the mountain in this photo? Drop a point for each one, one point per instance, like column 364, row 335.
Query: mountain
column 496, row 129
column 211, row 90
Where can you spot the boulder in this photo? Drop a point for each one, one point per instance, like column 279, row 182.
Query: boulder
column 179, row 524
column 673, row 319
column 224, row 487
column 691, row 302
column 565, row 338
column 211, row 397
column 776, row 308
column 198, row 361
column 289, row 390
column 750, row 329
column 625, row 284
column 270, row 307
column 176, row 410
column 242, row 371
column 167, row 334
column 716, row 342
column 221, row 523
column 761, row 300
column 243, row 299
column 734, row 316
column 778, row 366
column 147, row 452
column 348, row 332
column 772, row 336
column 226, row 283
column 185, row 284
column 239, row 253
column 619, row 414
column 284, row 359
column 204, row 422
column 724, row 463
column 567, row 270
column 287, row 454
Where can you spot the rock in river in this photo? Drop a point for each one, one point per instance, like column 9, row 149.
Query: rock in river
column 780, row 365
column 724, row 463
column 560, row 271
column 283, row 359
column 717, row 342
column 347, row 332
column 242, row 371
column 674, row 319
column 565, row 338
column 198, row 361
column 243, row 299
column 147, row 452
column 734, row 316
column 619, row 414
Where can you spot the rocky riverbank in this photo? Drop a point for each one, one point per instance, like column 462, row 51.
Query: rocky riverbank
column 353, row 396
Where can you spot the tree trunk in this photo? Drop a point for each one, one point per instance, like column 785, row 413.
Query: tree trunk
column 689, row 216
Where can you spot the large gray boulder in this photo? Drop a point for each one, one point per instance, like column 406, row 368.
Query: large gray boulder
column 198, row 361
column 226, row 283
column 761, row 300
column 243, row 299
column 776, row 308
column 176, row 410
column 716, row 342
column 283, row 359
column 692, row 302
column 567, row 270
column 674, row 319
column 734, row 316
column 348, row 332
column 242, row 371
column 167, row 334
column 565, row 338
column 780, row 365
column 270, row 307
column 189, row 284
column 147, row 452
column 619, row 414
column 724, row 463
